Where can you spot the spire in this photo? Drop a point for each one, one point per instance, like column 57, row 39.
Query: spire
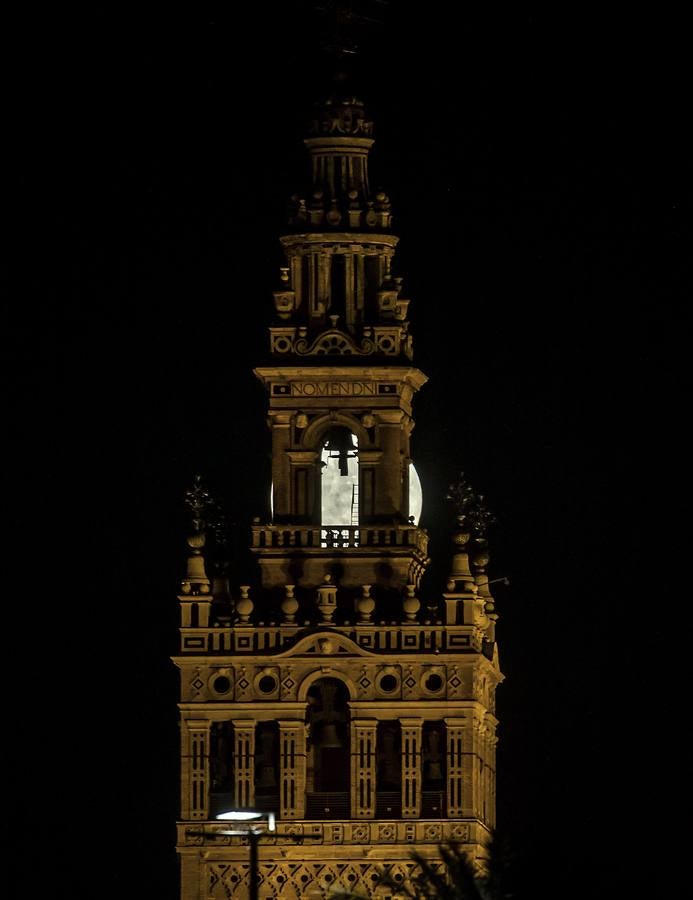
column 339, row 196
column 198, row 502
column 468, row 597
column 337, row 294
column 480, row 519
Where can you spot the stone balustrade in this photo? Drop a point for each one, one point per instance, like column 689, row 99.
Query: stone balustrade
column 331, row 537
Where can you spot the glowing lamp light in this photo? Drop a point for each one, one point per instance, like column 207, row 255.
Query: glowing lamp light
column 253, row 836
column 248, row 815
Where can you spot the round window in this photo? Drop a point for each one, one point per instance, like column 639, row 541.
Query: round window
column 388, row 684
column 221, row 684
column 433, row 683
column 267, row 684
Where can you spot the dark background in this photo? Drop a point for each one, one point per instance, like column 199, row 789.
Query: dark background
column 538, row 170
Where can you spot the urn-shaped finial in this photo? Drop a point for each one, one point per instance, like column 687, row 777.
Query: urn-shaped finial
column 289, row 604
column 245, row 605
column 365, row 604
column 411, row 603
column 327, row 599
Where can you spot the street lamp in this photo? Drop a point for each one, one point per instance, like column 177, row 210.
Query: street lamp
column 253, row 834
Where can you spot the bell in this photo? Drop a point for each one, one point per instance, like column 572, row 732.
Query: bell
column 330, row 738
column 340, row 444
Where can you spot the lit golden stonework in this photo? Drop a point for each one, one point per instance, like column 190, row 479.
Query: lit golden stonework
column 335, row 691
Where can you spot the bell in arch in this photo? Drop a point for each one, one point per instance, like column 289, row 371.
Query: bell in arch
column 330, row 737
column 340, row 445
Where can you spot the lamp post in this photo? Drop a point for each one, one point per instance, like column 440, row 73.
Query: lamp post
column 253, row 834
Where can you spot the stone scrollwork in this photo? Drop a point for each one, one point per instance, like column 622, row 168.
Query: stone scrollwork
column 334, row 342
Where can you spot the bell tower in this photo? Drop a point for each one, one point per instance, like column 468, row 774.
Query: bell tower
column 330, row 693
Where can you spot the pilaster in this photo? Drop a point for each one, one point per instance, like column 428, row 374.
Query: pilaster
column 244, row 763
column 194, row 768
column 292, row 768
column 455, row 735
column 363, row 763
column 411, row 767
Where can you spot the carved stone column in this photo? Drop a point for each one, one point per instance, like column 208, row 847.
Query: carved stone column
column 455, row 740
column 303, row 487
column 411, row 767
column 363, row 764
column 195, row 769
column 244, row 763
column 292, row 768
column 477, row 760
column 281, row 475
column 389, row 475
column 493, row 741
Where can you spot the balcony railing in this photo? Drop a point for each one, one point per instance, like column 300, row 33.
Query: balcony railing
column 339, row 536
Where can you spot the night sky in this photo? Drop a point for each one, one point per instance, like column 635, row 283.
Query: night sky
column 539, row 178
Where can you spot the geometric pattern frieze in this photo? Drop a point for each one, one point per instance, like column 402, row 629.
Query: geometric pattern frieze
column 314, row 879
column 344, row 833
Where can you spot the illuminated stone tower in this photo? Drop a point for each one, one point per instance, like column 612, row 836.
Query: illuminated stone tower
column 329, row 692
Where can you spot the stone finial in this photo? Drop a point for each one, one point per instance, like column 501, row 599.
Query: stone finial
column 473, row 519
column 200, row 503
column 195, row 579
column 411, row 603
column 460, row 578
column 461, row 495
column 365, row 604
column 289, row 605
column 327, row 600
column 245, row 605
column 479, row 561
column 480, row 518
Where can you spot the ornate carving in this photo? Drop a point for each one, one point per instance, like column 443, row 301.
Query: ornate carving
column 480, row 518
column 334, row 342
column 199, row 502
column 341, row 117
column 461, row 495
column 327, row 599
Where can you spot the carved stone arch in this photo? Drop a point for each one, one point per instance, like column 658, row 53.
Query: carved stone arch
column 316, row 431
column 325, row 672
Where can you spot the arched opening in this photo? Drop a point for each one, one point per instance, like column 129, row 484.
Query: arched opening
column 267, row 766
column 340, row 478
column 220, row 767
column 433, row 794
column 339, row 487
column 328, row 768
column 389, row 771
